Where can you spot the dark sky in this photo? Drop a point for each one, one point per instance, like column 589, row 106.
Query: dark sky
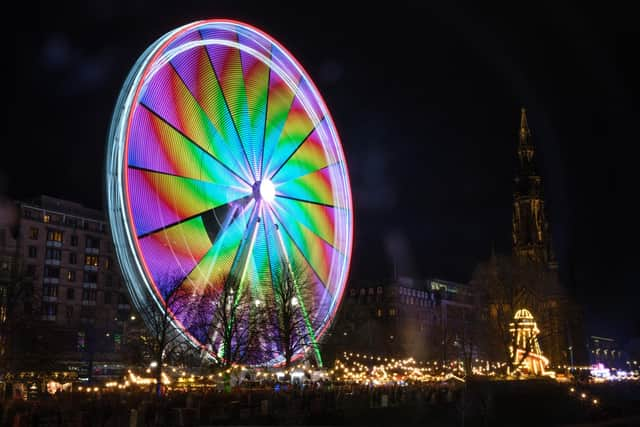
column 427, row 101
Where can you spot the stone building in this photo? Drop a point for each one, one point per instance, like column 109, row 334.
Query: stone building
column 424, row 319
column 64, row 306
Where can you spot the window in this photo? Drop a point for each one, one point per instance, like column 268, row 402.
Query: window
column 54, row 235
column 370, row 291
column 50, row 290
column 92, row 242
column 379, row 312
column 71, row 276
column 363, row 291
column 379, row 290
column 393, row 312
column 107, row 297
column 107, row 263
column 109, row 280
column 74, row 240
column 91, row 260
column 73, row 258
column 33, row 252
column 55, row 254
column 50, row 271
column 353, row 292
column 46, row 218
column 71, row 293
column 69, row 312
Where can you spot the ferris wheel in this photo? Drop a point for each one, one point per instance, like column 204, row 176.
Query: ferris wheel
column 223, row 159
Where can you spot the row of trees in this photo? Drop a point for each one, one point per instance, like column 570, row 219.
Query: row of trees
column 233, row 324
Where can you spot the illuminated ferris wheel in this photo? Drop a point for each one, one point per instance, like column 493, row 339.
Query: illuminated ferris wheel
column 223, row 159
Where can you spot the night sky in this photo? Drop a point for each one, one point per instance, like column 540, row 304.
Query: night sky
column 427, row 102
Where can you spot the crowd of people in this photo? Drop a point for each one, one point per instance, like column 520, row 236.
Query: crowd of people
column 281, row 403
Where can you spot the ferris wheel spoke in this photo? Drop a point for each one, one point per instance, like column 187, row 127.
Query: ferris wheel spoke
column 236, row 119
column 256, row 78
column 315, row 268
column 281, row 100
column 171, row 252
column 295, row 150
column 318, row 219
column 218, row 261
column 243, row 253
column 266, row 115
column 153, row 141
column 203, row 214
column 313, row 202
column 156, row 196
column 318, row 187
column 183, row 135
column 195, row 113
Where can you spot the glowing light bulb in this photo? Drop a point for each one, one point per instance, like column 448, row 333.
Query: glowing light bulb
column 267, row 190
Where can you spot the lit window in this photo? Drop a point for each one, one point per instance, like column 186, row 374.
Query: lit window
column 91, row 260
column 379, row 312
column 33, row 233
column 46, row 218
column 54, row 236
column 71, row 276
column 392, row 312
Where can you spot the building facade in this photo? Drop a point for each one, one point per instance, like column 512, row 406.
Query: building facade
column 64, row 303
column 424, row 319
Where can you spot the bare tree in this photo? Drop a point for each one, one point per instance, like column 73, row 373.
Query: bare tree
column 291, row 322
column 228, row 325
column 163, row 342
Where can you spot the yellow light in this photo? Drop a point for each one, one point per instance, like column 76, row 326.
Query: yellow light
column 595, row 401
column 583, row 395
